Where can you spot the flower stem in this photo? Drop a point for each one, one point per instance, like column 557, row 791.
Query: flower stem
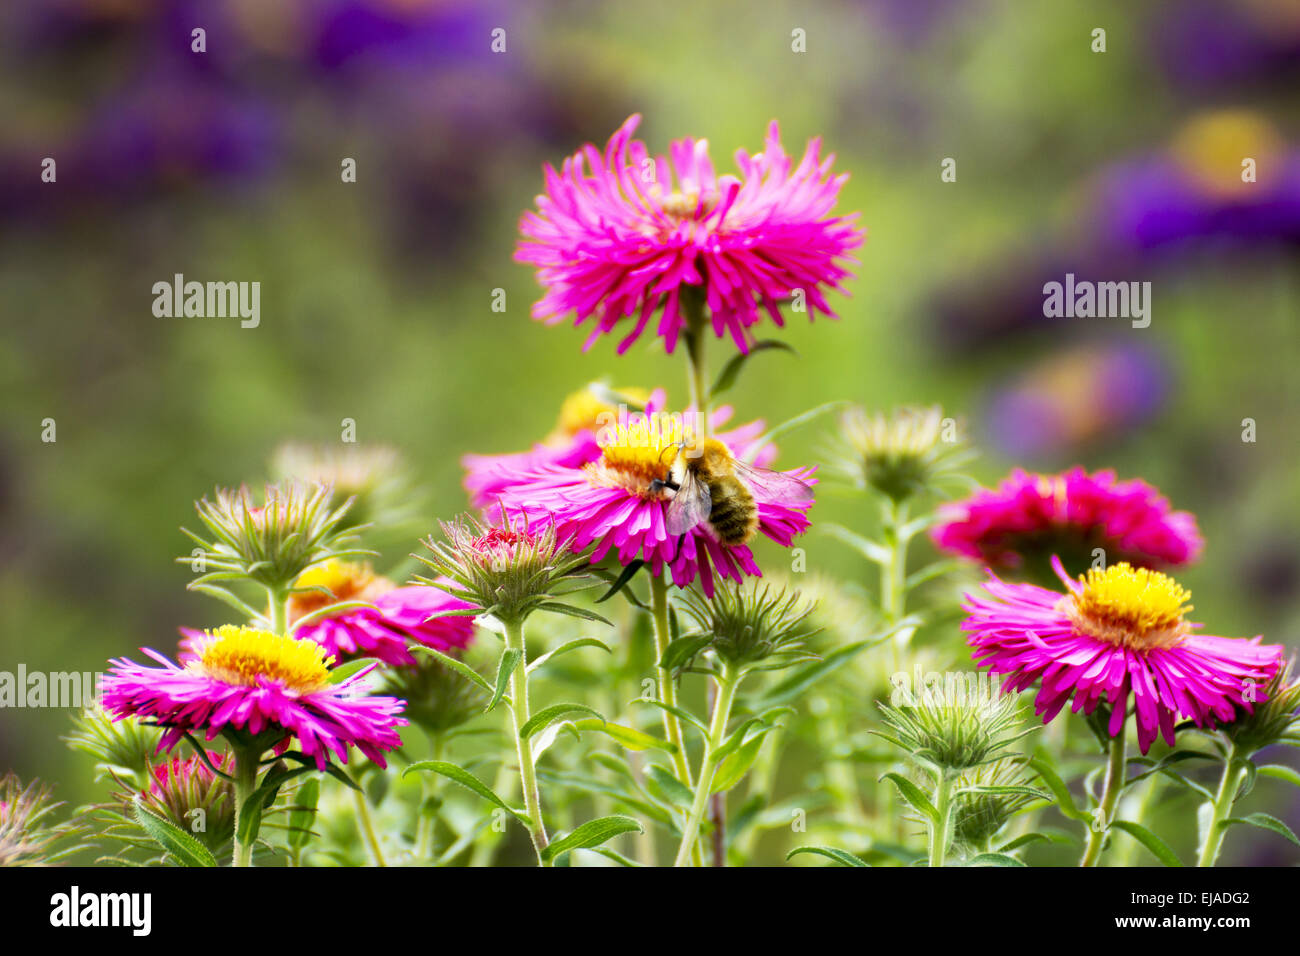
column 727, row 684
column 1109, row 798
column 524, row 745
column 667, row 686
column 367, row 827
column 893, row 574
column 692, row 304
column 278, row 613
column 247, row 764
column 428, row 820
column 1229, row 783
column 941, row 830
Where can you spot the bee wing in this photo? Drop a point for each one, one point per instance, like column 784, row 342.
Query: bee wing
column 773, row 485
column 690, row 505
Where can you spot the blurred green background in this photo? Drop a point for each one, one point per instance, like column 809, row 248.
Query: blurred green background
column 376, row 295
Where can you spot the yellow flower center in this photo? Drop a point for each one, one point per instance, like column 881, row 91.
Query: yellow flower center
column 637, row 453
column 1130, row 607
column 240, row 655
column 342, row 579
column 586, row 411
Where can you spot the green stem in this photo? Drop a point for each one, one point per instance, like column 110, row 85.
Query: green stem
column 941, row 829
column 1109, row 798
column 667, row 686
column 1229, row 784
column 247, row 764
column 428, row 822
column 524, row 745
column 367, row 827
column 279, row 609
column 692, row 304
column 893, row 574
column 727, row 684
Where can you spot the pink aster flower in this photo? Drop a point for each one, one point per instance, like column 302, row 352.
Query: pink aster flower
column 622, row 501
column 1113, row 634
column 1029, row 518
column 618, row 236
column 266, row 686
column 400, row 615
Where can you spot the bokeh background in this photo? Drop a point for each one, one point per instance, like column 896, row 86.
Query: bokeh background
column 376, row 296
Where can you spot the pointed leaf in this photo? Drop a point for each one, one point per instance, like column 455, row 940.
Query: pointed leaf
column 592, row 833
column 731, row 371
column 842, row 857
column 1264, row 822
column 469, row 782
column 172, row 838
column 544, row 717
column 913, row 795
column 505, row 668
column 1159, row 849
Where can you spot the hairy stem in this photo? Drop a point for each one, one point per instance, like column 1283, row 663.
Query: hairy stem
column 247, row 764
column 708, row 765
column 1229, row 783
column 524, row 745
column 1109, row 798
column 941, row 829
column 667, row 686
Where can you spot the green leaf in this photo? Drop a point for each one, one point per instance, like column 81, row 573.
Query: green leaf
column 555, row 607
column 628, row 574
column 1264, row 822
column 544, row 717
column 731, row 371
column 565, row 648
column 736, row 764
column 303, row 813
column 994, row 859
column 676, row 791
column 1157, row 846
column 1006, row 791
column 1280, row 771
column 913, row 795
column 1064, row 801
column 842, row 857
column 682, row 651
column 592, row 833
column 172, row 838
column 469, row 782
column 460, row 667
column 1023, row 840
column 629, row 737
column 505, row 668
column 341, row 673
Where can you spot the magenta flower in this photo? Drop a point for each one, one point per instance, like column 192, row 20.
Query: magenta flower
column 619, row 236
column 1030, row 518
column 265, row 685
column 400, row 615
column 1115, row 633
column 616, row 503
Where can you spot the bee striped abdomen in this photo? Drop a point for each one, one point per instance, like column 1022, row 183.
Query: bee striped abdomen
column 734, row 516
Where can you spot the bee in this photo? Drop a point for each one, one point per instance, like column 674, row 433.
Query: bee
column 710, row 485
